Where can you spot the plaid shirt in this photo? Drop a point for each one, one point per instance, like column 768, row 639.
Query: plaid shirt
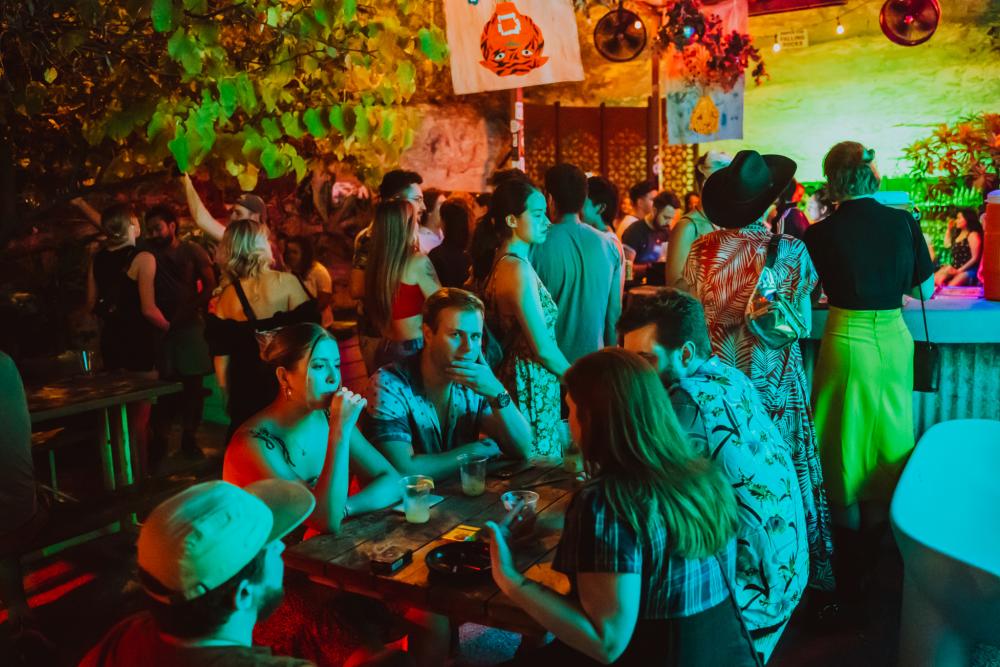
column 399, row 411
column 595, row 540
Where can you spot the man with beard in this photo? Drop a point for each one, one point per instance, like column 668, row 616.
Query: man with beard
column 426, row 411
column 725, row 420
column 210, row 563
column 183, row 286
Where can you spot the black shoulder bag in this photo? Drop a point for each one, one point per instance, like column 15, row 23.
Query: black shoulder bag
column 926, row 355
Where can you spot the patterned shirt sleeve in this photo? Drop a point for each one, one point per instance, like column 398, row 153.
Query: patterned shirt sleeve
column 388, row 417
column 595, row 540
column 690, row 418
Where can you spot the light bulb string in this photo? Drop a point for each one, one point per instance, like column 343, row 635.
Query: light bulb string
column 840, row 26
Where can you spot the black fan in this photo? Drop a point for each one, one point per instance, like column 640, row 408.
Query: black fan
column 620, row 35
column 909, row 22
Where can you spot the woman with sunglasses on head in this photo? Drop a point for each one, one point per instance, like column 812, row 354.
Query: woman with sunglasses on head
column 648, row 543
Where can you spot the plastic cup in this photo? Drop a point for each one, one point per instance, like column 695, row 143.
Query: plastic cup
column 529, row 513
column 473, row 471
column 416, row 498
column 572, row 459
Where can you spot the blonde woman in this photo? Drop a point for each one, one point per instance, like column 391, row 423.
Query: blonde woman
column 257, row 298
column 648, row 543
column 398, row 279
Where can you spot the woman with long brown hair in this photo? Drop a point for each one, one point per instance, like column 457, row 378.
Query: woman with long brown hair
column 648, row 543
column 398, row 279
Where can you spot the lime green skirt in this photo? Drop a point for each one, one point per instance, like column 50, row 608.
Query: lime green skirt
column 863, row 403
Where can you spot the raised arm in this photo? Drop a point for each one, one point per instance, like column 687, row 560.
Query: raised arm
column 201, row 215
column 517, row 291
column 92, row 213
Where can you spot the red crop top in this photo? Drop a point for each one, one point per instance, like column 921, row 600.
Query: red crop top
column 409, row 301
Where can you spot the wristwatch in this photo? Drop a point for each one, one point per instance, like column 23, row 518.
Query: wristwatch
column 500, row 401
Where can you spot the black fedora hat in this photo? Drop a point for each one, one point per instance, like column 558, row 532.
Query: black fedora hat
column 739, row 194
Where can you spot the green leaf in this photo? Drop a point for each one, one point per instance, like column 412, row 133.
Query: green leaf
column 157, row 124
column 432, row 45
column 337, row 119
column 51, row 74
column 273, row 16
column 387, row 127
column 349, row 10
column 248, row 178
column 245, row 94
column 406, row 73
column 162, row 14
column 228, row 95
column 179, row 149
column 361, row 124
column 314, row 123
column 271, row 129
column 185, row 50
column 290, row 121
column 234, row 168
column 274, row 163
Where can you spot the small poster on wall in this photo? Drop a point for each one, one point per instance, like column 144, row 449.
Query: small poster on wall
column 697, row 115
column 700, row 108
column 501, row 45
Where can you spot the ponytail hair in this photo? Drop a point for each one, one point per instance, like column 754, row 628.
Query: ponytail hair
column 287, row 346
column 510, row 198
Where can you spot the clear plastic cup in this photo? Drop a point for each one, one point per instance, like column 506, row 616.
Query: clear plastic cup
column 416, row 498
column 472, row 468
column 528, row 515
column 572, row 459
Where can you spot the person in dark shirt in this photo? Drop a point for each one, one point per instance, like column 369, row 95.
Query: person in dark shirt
column 868, row 256
column 451, row 259
column 648, row 237
column 210, row 564
column 185, row 279
column 788, row 219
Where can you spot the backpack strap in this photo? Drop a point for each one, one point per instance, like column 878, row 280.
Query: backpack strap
column 772, row 250
column 247, row 310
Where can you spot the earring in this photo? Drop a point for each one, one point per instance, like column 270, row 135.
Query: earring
column 288, row 392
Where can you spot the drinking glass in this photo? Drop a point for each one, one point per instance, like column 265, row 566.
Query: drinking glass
column 572, row 458
column 529, row 514
column 473, row 471
column 416, row 498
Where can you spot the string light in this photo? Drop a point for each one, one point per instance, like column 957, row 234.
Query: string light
column 777, row 45
column 840, row 27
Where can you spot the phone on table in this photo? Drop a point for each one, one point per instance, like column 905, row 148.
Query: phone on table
column 507, row 469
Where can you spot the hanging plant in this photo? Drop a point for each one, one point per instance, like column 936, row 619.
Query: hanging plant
column 711, row 56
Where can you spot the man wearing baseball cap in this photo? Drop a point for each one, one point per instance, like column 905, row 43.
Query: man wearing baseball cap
column 247, row 207
column 210, row 563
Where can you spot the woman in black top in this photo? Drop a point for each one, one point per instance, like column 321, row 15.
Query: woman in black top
column 965, row 238
column 451, row 259
column 256, row 299
column 868, row 256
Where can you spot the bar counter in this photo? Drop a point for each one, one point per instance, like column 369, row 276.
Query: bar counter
column 967, row 331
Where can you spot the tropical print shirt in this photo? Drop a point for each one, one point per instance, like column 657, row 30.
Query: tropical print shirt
column 727, row 422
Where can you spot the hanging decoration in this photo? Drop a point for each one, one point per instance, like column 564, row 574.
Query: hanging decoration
column 708, row 51
column 504, row 45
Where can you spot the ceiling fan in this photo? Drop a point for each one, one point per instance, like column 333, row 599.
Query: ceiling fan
column 620, row 35
column 909, row 22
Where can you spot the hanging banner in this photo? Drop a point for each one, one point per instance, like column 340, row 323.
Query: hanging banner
column 699, row 113
column 502, row 45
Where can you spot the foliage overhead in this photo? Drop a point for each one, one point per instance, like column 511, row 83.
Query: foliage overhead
column 98, row 91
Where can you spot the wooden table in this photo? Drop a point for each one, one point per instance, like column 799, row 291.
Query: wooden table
column 103, row 392
column 342, row 561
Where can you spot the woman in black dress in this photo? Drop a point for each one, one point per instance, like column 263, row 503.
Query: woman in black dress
column 120, row 292
column 256, row 299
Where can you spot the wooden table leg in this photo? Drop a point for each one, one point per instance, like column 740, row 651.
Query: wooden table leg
column 107, row 457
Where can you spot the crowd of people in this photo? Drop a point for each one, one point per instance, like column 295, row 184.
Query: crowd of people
column 718, row 486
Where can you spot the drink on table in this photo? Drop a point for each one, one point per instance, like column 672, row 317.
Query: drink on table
column 416, row 498
column 473, row 471
column 572, row 458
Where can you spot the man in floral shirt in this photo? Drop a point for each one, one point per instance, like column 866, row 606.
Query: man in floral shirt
column 725, row 419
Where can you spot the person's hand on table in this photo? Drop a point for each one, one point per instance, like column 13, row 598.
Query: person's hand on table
column 487, row 448
column 504, row 569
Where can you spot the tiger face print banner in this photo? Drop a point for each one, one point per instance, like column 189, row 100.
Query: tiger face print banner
column 498, row 45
